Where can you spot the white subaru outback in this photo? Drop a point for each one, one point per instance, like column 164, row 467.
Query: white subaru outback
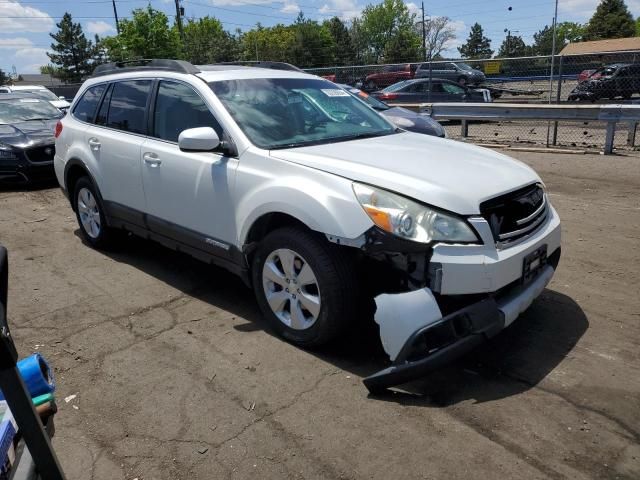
column 317, row 201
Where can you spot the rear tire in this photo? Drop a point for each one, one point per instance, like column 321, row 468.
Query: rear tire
column 305, row 286
column 91, row 217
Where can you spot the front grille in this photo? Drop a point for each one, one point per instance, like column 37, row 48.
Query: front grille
column 41, row 153
column 516, row 215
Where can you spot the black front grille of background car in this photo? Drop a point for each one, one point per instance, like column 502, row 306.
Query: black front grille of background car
column 517, row 214
column 41, row 153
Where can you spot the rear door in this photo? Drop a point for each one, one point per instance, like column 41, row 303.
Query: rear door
column 188, row 194
column 115, row 142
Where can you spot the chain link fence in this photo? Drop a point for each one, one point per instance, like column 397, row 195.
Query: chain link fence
column 603, row 77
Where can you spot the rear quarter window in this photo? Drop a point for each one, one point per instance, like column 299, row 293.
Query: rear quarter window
column 85, row 109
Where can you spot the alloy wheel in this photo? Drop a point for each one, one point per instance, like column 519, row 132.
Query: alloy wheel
column 89, row 213
column 291, row 289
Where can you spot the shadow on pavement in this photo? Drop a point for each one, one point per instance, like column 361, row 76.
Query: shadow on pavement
column 512, row 362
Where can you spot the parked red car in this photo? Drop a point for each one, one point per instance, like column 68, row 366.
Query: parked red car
column 389, row 75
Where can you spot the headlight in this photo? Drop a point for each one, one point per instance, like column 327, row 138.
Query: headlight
column 409, row 219
column 7, row 153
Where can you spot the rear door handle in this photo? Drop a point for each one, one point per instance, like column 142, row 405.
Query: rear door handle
column 94, row 143
column 151, row 159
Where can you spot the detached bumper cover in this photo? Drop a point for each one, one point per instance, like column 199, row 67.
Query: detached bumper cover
column 441, row 341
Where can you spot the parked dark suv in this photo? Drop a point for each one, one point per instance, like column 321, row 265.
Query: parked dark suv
column 617, row 80
column 459, row 72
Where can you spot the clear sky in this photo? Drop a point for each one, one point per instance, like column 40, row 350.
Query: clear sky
column 25, row 24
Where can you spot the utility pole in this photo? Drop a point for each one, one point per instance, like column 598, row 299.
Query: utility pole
column 179, row 19
column 424, row 36
column 115, row 14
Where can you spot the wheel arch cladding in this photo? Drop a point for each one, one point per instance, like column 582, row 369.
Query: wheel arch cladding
column 75, row 170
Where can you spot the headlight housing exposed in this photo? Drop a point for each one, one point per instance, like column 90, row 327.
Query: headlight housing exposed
column 411, row 220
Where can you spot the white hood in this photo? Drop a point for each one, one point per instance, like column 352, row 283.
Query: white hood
column 452, row 175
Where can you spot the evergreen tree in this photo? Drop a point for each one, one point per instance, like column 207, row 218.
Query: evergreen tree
column 514, row 46
column 3, row 78
column 610, row 20
column 72, row 52
column 344, row 52
column 477, row 45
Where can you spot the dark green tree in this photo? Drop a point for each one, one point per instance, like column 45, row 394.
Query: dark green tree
column 3, row 78
column 344, row 52
column 313, row 45
column 611, row 19
column 565, row 32
column 72, row 52
column 514, row 46
column 477, row 45
column 387, row 30
column 206, row 41
column 146, row 35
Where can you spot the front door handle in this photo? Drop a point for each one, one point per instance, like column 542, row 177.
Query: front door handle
column 94, row 143
column 151, row 159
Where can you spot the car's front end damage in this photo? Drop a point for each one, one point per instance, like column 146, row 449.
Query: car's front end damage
column 438, row 300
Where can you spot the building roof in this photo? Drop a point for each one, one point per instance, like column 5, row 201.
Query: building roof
column 611, row 45
column 37, row 79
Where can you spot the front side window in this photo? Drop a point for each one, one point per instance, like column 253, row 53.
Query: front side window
column 274, row 112
column 451, row 88
column 86, row 107
column 179, row 107
column 128, row 105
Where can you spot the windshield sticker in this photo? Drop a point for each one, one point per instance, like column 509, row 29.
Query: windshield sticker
column 29, row 100
column 334, row 92
column 294, row 98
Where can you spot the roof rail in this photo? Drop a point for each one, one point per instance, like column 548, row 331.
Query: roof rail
column 143, row 64
column 266, row 64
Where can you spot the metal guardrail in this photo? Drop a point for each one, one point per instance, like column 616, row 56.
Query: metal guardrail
column 612, row 114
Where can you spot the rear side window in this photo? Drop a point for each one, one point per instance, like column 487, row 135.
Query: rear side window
column 86, row 107
column 128, row 105
column 179, row 107
column 101, row 118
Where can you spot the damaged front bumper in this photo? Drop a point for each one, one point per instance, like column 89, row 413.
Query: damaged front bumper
column 442, row 339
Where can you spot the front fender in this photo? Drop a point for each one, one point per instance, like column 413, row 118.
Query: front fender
column 324, row 202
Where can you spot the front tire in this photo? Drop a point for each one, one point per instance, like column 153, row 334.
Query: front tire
column 90, row 215
column 305, row 286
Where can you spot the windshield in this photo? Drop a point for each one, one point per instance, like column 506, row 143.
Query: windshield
column 397, row 86
column 368, row 99
column 294, row 112
column 605, row 72
column 464, row 66
column 43, row 94
column 24, row 109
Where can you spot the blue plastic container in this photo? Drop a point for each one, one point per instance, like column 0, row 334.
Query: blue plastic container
column 37, row 375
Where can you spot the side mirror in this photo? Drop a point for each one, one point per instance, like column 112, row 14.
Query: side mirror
column 61, row 97
column 201, row 139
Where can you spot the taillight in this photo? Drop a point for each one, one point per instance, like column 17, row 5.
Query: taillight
column 388, row 96
column 58, row 129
